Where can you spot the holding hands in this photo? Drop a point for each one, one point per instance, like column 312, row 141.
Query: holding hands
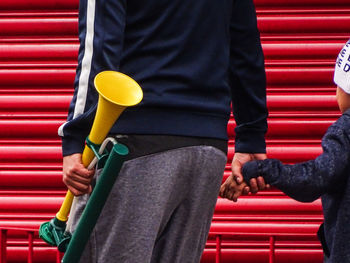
column 234, row 186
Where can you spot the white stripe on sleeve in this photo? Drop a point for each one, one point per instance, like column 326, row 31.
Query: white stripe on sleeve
column 86, row 64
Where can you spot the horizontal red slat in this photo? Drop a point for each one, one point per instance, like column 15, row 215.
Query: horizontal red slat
column 310, row 128
column 299, row 76
column 73, row 4
column 60, row 53
column 29, row 128
column 291, row 128
column 37, row 77
column 39, row 4
column 300, row 3
column 29, row 203
column 268, row 205
column 302, row 102
column 304, row 24
column 49, row 154
column 27, row 102
column 30, row 154
column 39, row 26
column 278, row 50
column 265, row 227
column 31, row 179
column 290, row 76
column 288, row 153
column 245, row 205
column 38, row 51
column 316, row 50
column 276, row 102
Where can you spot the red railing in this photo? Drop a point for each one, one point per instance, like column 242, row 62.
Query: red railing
column 272, row 237
column 219, row 236
column 31, row 233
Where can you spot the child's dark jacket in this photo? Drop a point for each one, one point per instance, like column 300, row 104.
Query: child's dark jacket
column 326, row 177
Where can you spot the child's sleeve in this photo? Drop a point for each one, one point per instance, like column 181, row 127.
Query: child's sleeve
column 307, row 181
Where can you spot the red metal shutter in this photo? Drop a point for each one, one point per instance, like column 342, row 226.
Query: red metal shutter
column 38, row 51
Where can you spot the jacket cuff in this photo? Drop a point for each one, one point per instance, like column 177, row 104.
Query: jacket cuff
column 250, row 170
column 72, row 145
column 250, row 142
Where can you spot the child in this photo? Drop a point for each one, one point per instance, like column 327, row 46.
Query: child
column 327, row 176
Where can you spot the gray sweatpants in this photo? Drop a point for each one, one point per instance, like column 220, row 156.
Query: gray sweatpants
column 160, row 208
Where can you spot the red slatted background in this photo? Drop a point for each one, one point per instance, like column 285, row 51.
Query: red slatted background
column 38, row 50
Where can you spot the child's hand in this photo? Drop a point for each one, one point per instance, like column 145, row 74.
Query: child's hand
column 239, row 160
column 231, row 190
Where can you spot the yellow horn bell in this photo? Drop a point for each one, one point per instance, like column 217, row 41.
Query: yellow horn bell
column 116, row 92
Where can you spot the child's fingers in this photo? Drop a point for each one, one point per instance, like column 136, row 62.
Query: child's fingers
column 253, row 186
column 261, row 183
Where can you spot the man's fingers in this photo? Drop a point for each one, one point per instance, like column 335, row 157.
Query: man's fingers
column 222, row 190
column 78, row 188
column 260, row 156
column 236, row 171
column 246, row 190
column 77, row 185
column 227, row 194
column 82, row 171
column 78, row 182
column 76, row 176
column 74, row 191
column 77, row 192
column 231, row 190
column 235, row 196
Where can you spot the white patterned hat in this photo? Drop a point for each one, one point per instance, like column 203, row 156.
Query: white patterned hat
column 342, row 69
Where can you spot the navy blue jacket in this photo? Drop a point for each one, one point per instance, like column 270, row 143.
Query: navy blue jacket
column 328, row 177
column 192, row 59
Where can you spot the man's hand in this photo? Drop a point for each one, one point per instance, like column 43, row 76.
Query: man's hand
column 231, row 190
column 238, row 161
column 76, row 176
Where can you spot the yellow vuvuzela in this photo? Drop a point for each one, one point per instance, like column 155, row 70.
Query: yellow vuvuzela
column 116, row 92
